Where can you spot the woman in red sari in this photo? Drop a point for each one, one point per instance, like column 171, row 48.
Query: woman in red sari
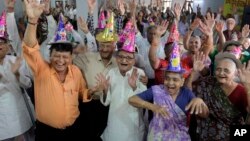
column 226, row 99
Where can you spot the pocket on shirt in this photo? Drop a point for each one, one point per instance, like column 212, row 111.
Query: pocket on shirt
column 72, row 97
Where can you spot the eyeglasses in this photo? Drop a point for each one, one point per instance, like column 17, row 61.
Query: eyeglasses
column 125, row 57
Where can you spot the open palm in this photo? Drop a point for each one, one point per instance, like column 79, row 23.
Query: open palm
column 198, row 62
column 132, row 79
column 33, row 8
column 244, row 74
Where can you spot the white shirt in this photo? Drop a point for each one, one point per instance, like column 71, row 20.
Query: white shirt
column 125, row 122
column 91, row 42
column 143, row 49
column 14, row 116
column 183, row 28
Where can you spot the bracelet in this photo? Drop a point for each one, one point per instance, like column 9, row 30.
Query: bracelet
column 32, row 23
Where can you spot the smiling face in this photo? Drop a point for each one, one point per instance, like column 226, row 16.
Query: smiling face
column 106, row 50
column 173, row 82
column 230, row 24
column 194, row 44
column 125, row 61
column 60, row 60
column 225, row 71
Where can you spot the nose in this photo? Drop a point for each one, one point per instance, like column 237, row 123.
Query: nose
column 60, row 60
column 171, row 82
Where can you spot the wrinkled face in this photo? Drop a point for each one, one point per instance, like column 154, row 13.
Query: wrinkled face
column 230, row 24
column 173, row 82
column 194, row 44
column 233, row 49
column 246, row 43
column 225, row 71
column 4, row 48
column 60, row 60
column 125, row 61
column 151, row 33
column 106, row 49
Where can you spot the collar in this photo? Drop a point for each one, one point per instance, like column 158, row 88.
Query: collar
column 111, row 61
column 69, row 74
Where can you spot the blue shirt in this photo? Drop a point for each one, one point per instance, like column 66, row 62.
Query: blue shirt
column 182, row 100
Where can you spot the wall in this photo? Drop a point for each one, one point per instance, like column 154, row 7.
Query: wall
column 204, row 4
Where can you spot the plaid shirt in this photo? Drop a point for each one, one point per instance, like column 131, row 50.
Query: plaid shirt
column 90, row 22
column 119, row 24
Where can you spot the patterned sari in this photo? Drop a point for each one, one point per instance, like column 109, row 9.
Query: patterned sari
column 172, row 128
column 222, row 113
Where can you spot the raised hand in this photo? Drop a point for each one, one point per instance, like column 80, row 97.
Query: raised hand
column 219, row 26
column 161, row 29
column 91, row 6
column 245, row 31
column 210, row 21
column 132, row 5
column 34, row 9
column 195, row 24
column 102, row 83
column 10, row 4
column 244, row 74
column 121, row 7
column 199, row 62
column 83, row 25
column 177, row 10
column 206, row 29
column 47, row 6
column 16, row 65
column 220, row 10
column 197, row 106
column 132, row 79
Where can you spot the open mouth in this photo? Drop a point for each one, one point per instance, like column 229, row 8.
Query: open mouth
column 170, row 88
column 124, row 65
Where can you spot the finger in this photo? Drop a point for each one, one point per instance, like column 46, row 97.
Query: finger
column 164, row 114
column 192, row 108
column 188, row 106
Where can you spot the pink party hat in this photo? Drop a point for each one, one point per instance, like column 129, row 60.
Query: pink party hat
column 175, row 60
column 174, row 34
column 125, row 33
column 129, row 44
column 3, row 28
column 101, row 21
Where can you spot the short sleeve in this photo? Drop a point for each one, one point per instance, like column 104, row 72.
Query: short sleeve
column 146, row 95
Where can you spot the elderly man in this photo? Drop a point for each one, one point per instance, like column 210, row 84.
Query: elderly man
column 15, row 121
column 58, row 84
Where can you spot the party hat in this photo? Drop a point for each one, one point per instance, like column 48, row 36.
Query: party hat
column 3, row 27
column 151, row 22
column 129, row 44
column 174, row 34
column 61, row 33
column 101, row 21
column 125, row 33
column 69, row 32
column 175, row 60
column 108, row 35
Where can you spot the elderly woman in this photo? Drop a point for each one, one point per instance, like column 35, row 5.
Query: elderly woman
column 226, row 99
column 170, row 103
